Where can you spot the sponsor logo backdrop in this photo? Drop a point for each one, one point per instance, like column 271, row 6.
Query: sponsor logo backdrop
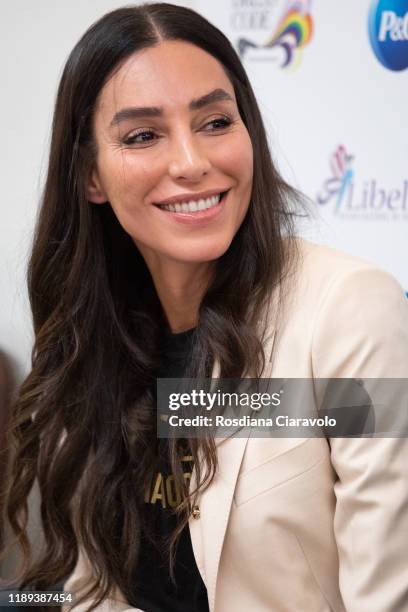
column 331, row 79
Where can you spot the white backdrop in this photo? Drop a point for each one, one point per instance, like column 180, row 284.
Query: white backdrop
column 35, row 40
column 334, row 94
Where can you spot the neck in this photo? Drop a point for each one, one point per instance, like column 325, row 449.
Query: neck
column 180, row 287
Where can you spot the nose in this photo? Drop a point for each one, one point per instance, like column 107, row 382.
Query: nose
column 187, row 159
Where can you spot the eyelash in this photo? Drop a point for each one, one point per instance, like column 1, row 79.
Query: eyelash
column 129, row 140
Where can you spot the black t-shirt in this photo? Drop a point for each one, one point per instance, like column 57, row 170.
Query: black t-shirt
column 153, row 589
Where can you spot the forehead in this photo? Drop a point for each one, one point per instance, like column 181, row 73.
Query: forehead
column 170, row 73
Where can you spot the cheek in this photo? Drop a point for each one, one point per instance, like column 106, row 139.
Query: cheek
column 248, row 157
column 127, row 178
column 240, row 161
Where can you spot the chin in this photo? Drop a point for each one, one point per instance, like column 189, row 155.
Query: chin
column 204, row 254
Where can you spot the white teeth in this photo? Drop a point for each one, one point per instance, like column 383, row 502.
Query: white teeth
column 193, row 205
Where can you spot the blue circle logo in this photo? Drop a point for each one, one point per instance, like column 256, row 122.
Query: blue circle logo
column 388, row 32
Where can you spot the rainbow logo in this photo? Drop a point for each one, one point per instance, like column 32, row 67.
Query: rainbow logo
column 293, row 32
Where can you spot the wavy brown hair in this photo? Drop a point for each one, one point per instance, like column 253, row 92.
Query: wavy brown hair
column 84, row 420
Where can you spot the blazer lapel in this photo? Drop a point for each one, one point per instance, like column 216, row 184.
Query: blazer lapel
column 208, row 528
column 208, row 531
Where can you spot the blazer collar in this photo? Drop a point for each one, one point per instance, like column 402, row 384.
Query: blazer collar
column 268, row 344
column 208, row 531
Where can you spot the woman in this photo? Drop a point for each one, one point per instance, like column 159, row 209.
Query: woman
column 165, row 247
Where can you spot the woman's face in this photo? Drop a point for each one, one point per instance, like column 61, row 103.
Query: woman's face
column 167, row 127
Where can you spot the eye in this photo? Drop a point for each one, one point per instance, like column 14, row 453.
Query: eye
column 143, row 136
column 223, row 123
column 139, row 137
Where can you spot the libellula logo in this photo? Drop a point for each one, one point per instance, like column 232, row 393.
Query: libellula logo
column 388, row 32
column 290, row 35
column 364, row 200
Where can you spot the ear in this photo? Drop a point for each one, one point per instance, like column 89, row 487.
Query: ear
column 94, row 190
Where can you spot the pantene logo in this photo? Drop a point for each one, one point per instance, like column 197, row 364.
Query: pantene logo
column 388, row 32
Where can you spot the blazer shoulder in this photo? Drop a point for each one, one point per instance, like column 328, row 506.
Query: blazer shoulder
column 320, row 257
column 327, row 287
column 356, row 312
column 320, row 268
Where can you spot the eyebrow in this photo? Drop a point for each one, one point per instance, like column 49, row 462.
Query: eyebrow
column 134, row 112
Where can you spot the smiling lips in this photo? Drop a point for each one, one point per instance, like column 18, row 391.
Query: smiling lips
column 202, row 200
column 196, row 212
column 193, row 205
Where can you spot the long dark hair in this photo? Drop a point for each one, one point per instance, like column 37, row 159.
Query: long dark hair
column 84, row 420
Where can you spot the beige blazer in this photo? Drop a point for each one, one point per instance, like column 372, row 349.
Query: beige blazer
column 312, row 525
